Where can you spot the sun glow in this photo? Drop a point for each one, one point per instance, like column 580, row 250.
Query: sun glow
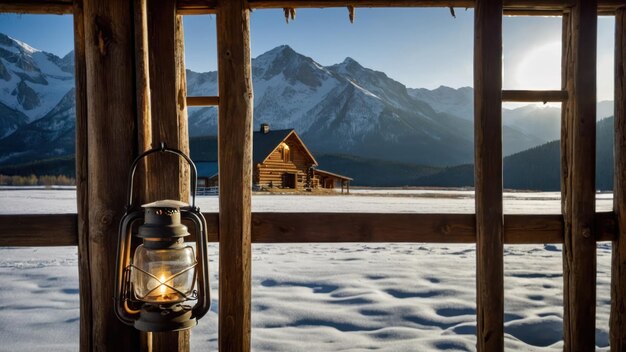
column 540, row 68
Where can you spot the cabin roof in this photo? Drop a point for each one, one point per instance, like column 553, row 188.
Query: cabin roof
column 264, row 144
column 328, row 173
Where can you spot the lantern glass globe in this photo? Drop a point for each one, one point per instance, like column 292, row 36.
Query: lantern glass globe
column 163, row 276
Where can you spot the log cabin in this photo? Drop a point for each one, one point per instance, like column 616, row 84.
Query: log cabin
column 280, row 160
column 130, row 94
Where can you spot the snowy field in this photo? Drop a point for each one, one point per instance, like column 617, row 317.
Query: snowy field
column 325, row 297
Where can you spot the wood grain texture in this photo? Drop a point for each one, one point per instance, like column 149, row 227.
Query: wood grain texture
column 618, row 266
column 203, row 7
column 579, row 249
column 168, row 103
column 56, row 230
column 41, row 231
column 203, row 101
column 55, row 7
column 142, row 94
column 196, row 7
column 82, row 175
column 541, row 96
column 111, row 144
column 488, row 175
column 235, row 160
column 169, row 175
column 171, row 341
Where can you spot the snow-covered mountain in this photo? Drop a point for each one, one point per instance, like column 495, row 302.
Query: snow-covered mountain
column 344, row 108
column 456, row 102
column 32, row 81
column 37, row 104
column 347, row 108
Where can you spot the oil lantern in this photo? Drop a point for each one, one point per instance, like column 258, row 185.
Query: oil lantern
column 162, row 284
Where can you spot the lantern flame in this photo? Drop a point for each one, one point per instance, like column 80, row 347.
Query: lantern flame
column 162, row 287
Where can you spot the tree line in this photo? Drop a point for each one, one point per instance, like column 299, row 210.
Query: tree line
column 33, row 180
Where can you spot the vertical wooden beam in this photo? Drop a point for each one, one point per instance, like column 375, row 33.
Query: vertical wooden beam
column 578, row 134
column 488, row 174
column 144, row 117
column 618, row 268
column 142, row 81
column 169, row 178
column 82, row 174
column 168, row 100
column 111, row 145
column 235, row 159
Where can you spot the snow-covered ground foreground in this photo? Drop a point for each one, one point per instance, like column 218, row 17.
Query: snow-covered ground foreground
column 325, row 297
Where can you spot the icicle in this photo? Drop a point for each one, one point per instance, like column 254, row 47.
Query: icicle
column 290, row 13
column 452, row 12
column 351, row 13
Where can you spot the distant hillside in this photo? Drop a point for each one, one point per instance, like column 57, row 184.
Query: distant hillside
column 54, row 166
column 537, row 168
column 372, row 172
column 203, row 148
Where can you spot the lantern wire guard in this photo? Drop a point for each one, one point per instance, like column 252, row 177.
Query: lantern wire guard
column 139, row 309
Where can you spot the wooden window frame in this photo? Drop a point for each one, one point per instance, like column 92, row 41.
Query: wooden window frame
column 64, row 229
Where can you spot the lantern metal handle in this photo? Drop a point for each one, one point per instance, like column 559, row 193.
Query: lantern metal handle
column 163, row 148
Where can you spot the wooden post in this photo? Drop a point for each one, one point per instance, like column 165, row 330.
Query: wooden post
column 488, row 174
column 82, row 174
column 618, row 268
column 578, row 178
column 169, row 176
column 142, row 82
column 168, row 100
column 235, row 160
column 111, row 148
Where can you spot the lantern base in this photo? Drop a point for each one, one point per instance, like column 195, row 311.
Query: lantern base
column 156, row 318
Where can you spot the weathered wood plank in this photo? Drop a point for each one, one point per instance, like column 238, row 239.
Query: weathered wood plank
column 543, row 96
column 579, row 249
column 111, row 111
column 54, row 7
column 196, row 7
column 168, row 103
column 488, row 174
column 144, row 116
column 171, row 341
column 202, row 7
column 40, row 231
column 362, row 227
column 55, row 230
column 203, row 101
column 169, row 176
column 235, row 159
column 142, row 82
column 82, row 175
column 618, row 268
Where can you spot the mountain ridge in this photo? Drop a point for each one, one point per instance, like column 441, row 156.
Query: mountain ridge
column 354, row 114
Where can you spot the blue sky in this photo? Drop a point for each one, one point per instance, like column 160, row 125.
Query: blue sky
column 418, row 47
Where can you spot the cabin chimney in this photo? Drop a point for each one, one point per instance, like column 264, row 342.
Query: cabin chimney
column 265, row 128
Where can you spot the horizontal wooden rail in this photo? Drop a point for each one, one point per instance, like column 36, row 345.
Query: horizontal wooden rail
column 38, row 230
column 56, row 7
column 200, row 7
column 523, row 7
column 544, row 96
column 203, row 101
column 196, row 7
column 61, row 230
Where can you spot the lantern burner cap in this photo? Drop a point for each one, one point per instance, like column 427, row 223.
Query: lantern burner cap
column 166, row 203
